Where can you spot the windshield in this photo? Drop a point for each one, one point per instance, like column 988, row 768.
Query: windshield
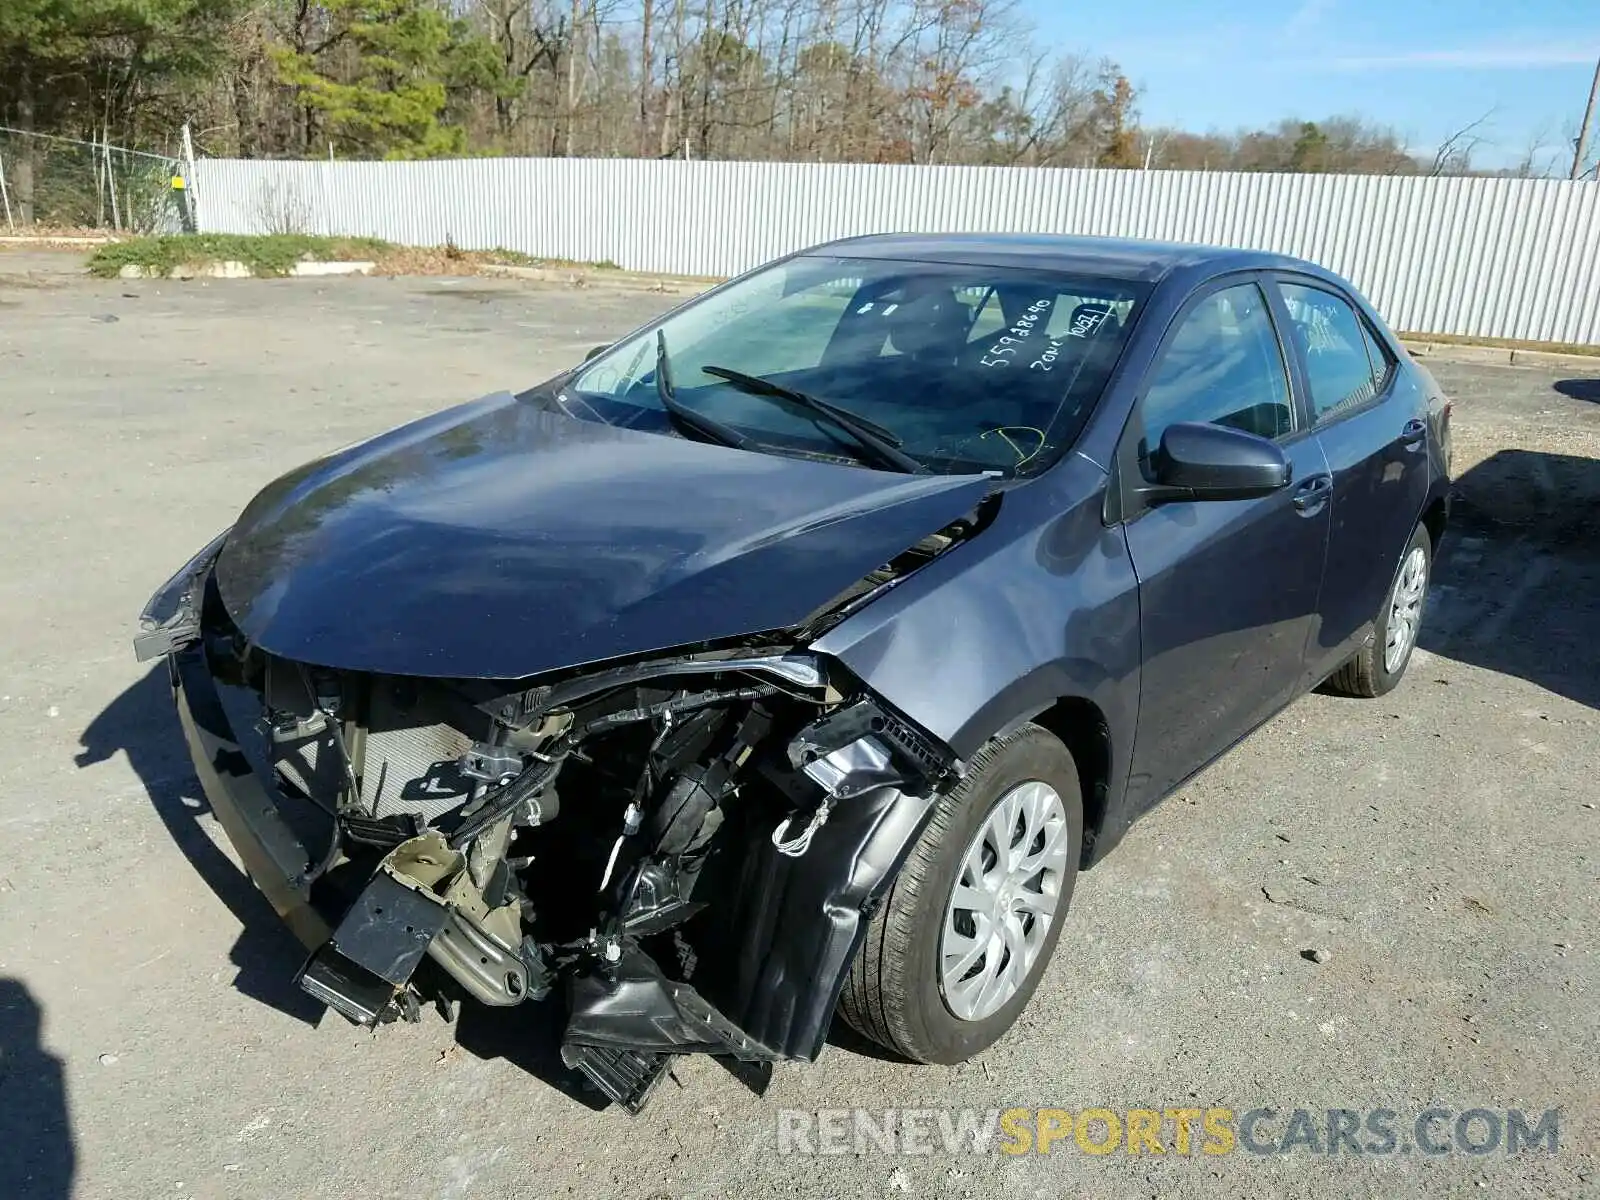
column 964, row 368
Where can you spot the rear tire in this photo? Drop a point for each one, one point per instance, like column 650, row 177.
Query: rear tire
column 1380, row 665
column 895, row 992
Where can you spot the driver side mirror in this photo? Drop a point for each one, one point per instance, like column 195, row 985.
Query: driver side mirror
column 1198, row 461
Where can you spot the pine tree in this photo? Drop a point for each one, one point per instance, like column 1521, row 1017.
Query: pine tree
column 382, row 77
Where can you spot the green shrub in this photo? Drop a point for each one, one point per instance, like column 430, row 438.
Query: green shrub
column 268, row 254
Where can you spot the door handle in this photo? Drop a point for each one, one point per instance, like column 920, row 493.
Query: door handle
column 1313, row 493
column 1413, row 432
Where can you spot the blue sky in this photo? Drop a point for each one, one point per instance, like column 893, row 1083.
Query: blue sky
column 1425, row 67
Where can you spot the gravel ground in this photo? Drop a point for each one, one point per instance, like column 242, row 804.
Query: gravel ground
column 1437, row 848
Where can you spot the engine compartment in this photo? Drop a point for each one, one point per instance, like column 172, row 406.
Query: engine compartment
column 650, row 841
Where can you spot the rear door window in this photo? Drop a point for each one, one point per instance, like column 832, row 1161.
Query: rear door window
column 1334, row 341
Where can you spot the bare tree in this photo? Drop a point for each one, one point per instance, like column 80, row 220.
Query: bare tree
column 923, row 81
column 646, row 65
column 1454, row 155
column 1538, row 158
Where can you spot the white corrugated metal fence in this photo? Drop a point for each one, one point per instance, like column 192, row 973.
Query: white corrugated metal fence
column 1513, row 258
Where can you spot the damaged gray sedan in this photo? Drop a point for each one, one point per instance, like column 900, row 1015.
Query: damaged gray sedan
column 793, row 654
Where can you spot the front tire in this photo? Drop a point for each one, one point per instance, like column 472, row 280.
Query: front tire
column 955, row 950
column 1382, row 662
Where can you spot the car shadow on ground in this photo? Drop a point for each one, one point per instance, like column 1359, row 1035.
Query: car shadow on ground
column 37, row 1155
column 1579, row 389
column 1517, row 589
column 842, row 1037
column 528, row 1037
column 141, row 723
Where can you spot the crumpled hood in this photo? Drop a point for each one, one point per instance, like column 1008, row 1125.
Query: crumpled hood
column 501, row 540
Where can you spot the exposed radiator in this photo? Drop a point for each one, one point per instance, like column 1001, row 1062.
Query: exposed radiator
column 411, row 756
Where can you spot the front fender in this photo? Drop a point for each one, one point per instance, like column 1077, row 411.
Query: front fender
column 1030, row 612
column 787, row 929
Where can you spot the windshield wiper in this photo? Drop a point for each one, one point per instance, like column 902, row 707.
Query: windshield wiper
column 682, row 415
column 882, row 444
column 757, row 385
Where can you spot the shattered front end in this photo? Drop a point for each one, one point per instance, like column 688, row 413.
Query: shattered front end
column 683, row 850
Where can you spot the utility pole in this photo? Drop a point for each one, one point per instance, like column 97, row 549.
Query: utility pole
column 1582, row 150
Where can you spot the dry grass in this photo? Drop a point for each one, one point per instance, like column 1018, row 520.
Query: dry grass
column 452, row 260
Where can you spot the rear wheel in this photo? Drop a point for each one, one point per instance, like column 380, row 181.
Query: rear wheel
column 1382, row 662
column 956, row 949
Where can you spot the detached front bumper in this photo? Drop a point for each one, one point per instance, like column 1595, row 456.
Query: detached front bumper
column 358, row 966
column 274, row 858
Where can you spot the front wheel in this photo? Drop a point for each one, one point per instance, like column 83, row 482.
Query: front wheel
column 956, row 949
column 1382, row 662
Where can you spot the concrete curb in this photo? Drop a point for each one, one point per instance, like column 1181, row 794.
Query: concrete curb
column 1500, row 356
column 1555, row 358
column 315, row 269
column 233, row 269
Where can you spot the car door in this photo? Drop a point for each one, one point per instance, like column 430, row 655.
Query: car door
column 1227, row 588
column 1370, row 418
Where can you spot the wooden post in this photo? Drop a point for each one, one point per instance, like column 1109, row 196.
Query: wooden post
column 24, row 163
column 1582, row 150
column 111, row 182
column 190, row 196
column 6, row 196
column 99, row 181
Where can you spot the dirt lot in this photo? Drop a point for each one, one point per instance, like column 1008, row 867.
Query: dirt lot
column 1441, row 846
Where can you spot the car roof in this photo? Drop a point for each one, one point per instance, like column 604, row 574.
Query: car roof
column 1114, row 258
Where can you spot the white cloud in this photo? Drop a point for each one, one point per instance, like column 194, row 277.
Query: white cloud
column 1308, row 16
column 1493, row 58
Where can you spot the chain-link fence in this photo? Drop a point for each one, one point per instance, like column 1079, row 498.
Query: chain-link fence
column 60, row 183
